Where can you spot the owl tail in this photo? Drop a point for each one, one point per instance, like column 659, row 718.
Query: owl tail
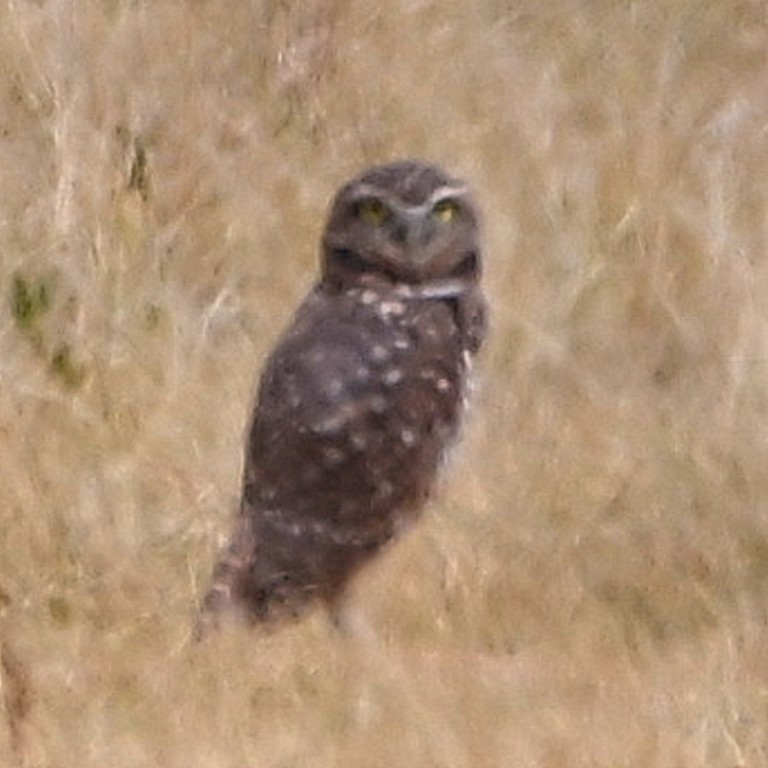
column 227, row 575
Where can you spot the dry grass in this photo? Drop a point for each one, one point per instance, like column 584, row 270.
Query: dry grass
column 590, row 586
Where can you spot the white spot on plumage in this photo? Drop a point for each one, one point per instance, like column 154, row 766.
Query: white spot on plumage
column 379, row 404
column 334, row 387
column 380, row 354
column 440, row 382
column 391, row 309
column 332, row 425
column 393, row 376
column 318, row 528
column 408, row 437
column 332, row 456
column 401, row 343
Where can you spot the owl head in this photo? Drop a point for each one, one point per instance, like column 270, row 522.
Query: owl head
column 408, row 223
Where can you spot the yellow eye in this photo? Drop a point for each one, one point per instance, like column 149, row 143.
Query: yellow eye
column 373, row 211
column 446, row 210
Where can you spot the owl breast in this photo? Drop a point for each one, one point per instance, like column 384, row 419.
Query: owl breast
column 357, row 406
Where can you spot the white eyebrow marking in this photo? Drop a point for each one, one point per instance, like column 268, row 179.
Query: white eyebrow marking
column 366, row 190
column 447, row 191
column 441, row 193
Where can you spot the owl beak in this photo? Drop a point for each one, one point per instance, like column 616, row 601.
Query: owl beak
column 413, row 230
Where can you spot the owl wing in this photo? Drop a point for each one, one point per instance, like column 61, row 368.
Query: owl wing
column 356, row 406
column 354, row 409
column 317, row 382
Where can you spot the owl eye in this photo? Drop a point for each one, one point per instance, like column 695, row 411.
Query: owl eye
column 446, row 210
column 372, row 211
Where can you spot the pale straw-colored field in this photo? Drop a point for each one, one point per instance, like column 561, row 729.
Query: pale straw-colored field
column 589, row 587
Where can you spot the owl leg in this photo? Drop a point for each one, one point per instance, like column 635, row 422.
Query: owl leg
column 225, row 581
column 350, row 620
column 341, row 609
column 338, row 612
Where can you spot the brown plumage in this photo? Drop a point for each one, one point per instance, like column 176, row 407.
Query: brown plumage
column 362, row 395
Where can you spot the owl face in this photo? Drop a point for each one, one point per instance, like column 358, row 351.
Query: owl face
column 407, row 222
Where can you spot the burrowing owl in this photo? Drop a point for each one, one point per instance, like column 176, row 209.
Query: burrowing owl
column 362, row 395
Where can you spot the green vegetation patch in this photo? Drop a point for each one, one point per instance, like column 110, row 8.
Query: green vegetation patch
column 31, row 300
column 64, row 367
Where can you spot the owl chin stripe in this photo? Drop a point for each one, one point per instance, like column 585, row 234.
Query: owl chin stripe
column 435, row 289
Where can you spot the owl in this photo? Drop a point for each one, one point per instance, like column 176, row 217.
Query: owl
column 362, row 395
